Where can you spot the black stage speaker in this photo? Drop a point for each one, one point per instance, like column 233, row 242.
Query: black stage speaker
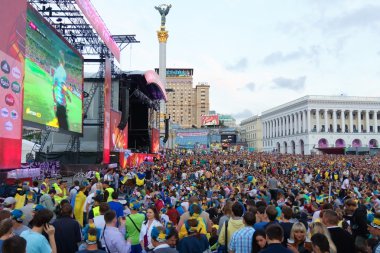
column 124, row 103
column 166, row 137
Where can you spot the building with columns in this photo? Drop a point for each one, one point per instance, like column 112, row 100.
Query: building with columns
column 251, row 132
column 312, row 122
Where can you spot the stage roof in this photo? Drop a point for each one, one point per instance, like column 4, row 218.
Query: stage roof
column 154, row 85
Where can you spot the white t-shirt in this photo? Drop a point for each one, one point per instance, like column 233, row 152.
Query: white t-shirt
column 185, row 205
column 308, row 178
column 316, row 215
column 99, row 222
column 89, row 201
column 346, row 184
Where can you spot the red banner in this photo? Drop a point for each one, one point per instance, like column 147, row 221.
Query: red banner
column 155, row 142
column 210, row 120
column 119, row 138
column 97, row 23
column 12, row 51
column 107, row 112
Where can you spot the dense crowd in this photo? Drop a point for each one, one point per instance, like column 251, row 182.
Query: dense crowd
column 208, row 202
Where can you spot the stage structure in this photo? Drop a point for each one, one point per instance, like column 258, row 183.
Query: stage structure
column 79, row 23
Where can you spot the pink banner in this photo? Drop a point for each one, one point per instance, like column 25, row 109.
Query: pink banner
column 12, row 46
column 93, row 17
column 107, row 112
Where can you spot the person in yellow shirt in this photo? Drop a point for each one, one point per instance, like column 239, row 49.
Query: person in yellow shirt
column 45, row 186
column 61, row 192
column 80, row 198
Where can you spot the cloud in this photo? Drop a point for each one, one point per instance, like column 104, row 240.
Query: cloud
column 241, row 65
column 251, row 86
column 279, row 57
column 366, row 16
column 312, row 52
column 243, row 114
column 291, row 84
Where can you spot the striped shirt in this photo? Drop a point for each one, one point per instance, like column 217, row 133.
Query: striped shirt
column 241, row 241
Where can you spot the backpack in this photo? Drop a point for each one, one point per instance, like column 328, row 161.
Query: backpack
column 37, row 195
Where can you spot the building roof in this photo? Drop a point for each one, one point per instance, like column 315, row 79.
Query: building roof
column 311, row 98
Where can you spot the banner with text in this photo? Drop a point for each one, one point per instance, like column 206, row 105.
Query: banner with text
column 12, row 53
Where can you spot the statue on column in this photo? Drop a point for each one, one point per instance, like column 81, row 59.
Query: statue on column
column 163, row 9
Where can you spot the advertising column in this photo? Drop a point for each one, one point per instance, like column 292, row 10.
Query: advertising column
column 107, row 112
column 12, row 46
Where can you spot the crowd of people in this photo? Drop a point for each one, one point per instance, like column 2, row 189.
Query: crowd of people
column 236, row 202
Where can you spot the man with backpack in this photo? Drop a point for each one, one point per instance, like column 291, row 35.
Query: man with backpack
column 231, row 226
column 37, row 192
column 73, row 192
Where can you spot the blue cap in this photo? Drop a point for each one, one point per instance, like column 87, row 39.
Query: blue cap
column 38, row 207
column 17, row 215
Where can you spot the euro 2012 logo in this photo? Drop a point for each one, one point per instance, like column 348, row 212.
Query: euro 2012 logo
column 4, row 82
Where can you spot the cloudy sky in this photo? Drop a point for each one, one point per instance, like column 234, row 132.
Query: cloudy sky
column 258, row 54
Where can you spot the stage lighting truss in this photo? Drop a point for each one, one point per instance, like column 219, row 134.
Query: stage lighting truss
column 66, row 17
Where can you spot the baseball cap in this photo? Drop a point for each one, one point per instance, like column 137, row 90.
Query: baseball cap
column 9, row 201
column 38, row 207
column 17, row 215
column 134, row 205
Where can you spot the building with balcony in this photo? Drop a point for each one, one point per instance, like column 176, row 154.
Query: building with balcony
column 319, row 122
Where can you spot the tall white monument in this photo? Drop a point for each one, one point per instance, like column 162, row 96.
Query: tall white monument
column 163, row 35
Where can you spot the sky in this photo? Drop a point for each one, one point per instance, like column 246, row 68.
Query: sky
column 257, row 54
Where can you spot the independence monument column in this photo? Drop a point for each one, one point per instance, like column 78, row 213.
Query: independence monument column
column 162, row 35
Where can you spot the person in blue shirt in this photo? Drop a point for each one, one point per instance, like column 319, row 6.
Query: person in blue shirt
column 116, row 205
column 60, row 92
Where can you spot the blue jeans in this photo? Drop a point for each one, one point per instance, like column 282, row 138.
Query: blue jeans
column 136, row 248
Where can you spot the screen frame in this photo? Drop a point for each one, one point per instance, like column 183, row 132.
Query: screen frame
column 29, row 123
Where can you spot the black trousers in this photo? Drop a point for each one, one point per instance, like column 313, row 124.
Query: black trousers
column 62, row 117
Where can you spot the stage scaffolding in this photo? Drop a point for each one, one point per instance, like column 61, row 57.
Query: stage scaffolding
column 66, row 17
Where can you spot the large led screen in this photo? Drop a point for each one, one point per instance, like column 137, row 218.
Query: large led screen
column 53, row 78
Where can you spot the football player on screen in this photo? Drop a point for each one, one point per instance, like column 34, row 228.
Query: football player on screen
column 60, row 93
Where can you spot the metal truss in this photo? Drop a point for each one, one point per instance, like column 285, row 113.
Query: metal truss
column 67, row 18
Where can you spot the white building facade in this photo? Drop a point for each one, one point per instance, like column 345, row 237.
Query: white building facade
column 311, row 122
column 252, row 132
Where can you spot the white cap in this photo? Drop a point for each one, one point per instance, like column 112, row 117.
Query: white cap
column 9, row 201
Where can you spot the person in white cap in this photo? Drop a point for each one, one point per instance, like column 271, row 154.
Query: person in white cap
column 9, row 203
